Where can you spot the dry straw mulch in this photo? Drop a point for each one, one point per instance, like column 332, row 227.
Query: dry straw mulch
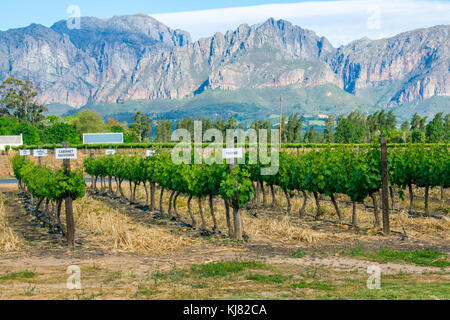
column 114, row 230
column 9, row 241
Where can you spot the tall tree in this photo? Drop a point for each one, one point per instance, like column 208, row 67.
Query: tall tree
column 88, row 121
column 447, row 128
column 163, row 130
column 59, row 132
column 17, row 98
column 142, row 126
column 417, row 136
column 312, row 136
column 418, row 123
column 390, row 123
column 328, row 133
column 291, row 131
column 435, row 129
column 351, row 129
column 405, row 125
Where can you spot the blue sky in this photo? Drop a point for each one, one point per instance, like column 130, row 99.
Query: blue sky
column 19, row 13
column 341, row 21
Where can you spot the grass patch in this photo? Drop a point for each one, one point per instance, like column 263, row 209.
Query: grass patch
column 395, row 287
column 199, row 285
column 19, row 275
column 426, row 257
column 141, row 291
column 172, row 275
column 317, row 285
column 91, row 268
column 113, row 275
column 297, row 254
column 271, row 278
column 220, row 269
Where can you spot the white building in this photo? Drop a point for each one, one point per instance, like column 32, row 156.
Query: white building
column 12, row 141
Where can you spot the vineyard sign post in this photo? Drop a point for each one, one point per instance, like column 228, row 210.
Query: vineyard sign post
column 150, row 153
column 385, row 186
column 93, row 179
column 235, row 153
column 66, row 154
column 39, row 153
column 25, row 153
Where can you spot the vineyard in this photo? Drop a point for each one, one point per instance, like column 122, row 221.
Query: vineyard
column 330, row 172
column 319, row 202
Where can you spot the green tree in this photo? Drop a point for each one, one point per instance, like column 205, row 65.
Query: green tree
column 391, row 120
column 417, row 136
column 435, row 129
column 142, row 126
column 59, row 132
column 225, row 124
column 291, row 131
column 328, row 133
column 351, row 129
column 88, row 121
column 17, row 98
column 418, row 123
column 163, row 130
column 312, row 136
column 405, row 125
column 12, row 126
column 447, row 128
column 129, row 136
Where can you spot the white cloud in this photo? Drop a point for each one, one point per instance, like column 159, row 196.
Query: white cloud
column 340, row 21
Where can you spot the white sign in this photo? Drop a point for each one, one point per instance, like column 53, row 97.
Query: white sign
column 40, row 153
column 102, row 138
column 24, row 152
column 233, row 153
column 110, row 152
column 66, row 153
column 150, row 153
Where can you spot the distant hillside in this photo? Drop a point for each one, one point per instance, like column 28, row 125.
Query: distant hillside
column 244, row 104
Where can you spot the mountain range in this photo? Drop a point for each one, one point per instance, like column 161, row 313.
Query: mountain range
column 123, row 64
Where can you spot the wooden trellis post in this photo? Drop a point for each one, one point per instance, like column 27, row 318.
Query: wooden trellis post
column 40, row 159
column 385, row 187
column 236, row 211
column 232, row 155
column 93, row 182
column 69, row 205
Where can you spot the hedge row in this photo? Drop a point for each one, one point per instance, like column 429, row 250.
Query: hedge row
column 247, row 145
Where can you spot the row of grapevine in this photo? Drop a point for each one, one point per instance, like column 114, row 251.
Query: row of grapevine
column 329, row 172
column 193, row 181
column 170, row 145
column 48, row 186
column 357, row 174
column 422, row 166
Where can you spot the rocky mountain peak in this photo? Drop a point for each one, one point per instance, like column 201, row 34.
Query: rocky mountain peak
column 135, row 57
column 123, row 28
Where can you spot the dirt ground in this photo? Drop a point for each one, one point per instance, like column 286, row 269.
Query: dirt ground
column 127, row 252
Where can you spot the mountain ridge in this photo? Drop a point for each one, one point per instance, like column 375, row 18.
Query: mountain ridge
column 127, row 58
